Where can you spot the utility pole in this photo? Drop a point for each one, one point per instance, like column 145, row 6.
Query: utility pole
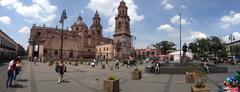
column 180, row 37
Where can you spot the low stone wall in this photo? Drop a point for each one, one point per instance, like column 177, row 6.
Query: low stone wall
column 218, row 70
column 164, row 69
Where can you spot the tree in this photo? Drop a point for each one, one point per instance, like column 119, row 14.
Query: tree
column 164, row 46
column 205, row 46
column 194, row 48
column 216, row 45
column 236, row 50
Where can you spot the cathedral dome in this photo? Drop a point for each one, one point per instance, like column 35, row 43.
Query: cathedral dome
column 122, row 3
column 79, row 22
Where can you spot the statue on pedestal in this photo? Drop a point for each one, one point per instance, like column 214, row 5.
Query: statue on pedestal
column 184, row 49
column 184, row 57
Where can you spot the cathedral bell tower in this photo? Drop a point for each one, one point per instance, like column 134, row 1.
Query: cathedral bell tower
column 96, row 26
column 122, row 32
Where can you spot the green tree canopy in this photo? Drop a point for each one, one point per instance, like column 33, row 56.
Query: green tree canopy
column 203, row 47
column 165, row 46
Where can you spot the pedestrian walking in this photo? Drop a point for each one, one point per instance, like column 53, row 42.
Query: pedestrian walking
column 206, row 67
column 35, row 59
column 117, row 64
column 157, row 68
column 60, row 67
column 18, row 69
column 11, row 69
column 93, row 63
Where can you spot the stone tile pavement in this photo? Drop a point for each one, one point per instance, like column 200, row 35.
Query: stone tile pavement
column 84, row 78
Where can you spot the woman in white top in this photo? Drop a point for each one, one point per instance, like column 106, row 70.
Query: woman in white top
column 18, row 68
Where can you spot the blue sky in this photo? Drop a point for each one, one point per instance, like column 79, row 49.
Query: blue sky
column 151, row 20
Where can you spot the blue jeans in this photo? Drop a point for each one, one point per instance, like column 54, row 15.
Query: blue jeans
column 16, row 73
column 10, row 78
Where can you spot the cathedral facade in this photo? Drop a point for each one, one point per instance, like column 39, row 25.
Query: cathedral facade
column 80, row 41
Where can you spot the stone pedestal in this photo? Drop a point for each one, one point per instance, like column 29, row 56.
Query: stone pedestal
column 194, row 89
column 190, row 77
column 136, row 75
column 111, row 85
column 184, row 60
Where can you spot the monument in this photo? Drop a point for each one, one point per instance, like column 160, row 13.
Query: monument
column 184, row 58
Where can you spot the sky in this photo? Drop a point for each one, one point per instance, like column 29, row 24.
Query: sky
column 151, row 20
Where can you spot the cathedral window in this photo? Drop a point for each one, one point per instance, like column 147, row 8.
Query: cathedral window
column 56, row 53
column 119, row 24
column 38, row 33
column 65, row 37
column 89, row 41
column 77, row 28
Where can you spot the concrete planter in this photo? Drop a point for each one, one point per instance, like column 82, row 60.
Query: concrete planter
column 136, row 75
column 111, row 85
column 190, row 77
column 194, row 89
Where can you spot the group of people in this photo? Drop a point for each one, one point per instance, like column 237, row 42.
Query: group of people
column 155, row 67
column 14, row 69
column 131, row 61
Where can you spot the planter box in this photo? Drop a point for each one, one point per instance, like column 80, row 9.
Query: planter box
column 190, row 77
column 194, row 89
column 111, row 85
column 136, row 75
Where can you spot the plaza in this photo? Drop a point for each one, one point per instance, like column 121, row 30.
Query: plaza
column 119, row 46
column 84, row 78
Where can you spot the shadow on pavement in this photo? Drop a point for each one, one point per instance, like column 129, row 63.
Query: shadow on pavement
column 65, row 81
column 22, row 80
column 16, row 85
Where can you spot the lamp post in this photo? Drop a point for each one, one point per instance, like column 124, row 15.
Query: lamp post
column 231, row 38
column 63, row 17
column 32, row 40
column 180, row 37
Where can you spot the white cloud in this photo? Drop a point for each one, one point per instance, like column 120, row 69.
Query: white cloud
column 190, row 36
column 167, row 5
column 40, row 11
column 232, row 19
column 183, row 6
column 175, row 20
column 109, row 9
column 5, row 20
column 7, row 2
column 166, row 27
column 25, row 30
column 235, row 34
column 196, row 35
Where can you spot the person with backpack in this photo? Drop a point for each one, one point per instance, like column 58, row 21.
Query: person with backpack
column 11, row 69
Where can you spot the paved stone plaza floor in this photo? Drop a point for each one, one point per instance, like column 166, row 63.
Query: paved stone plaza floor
column 84, row 78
